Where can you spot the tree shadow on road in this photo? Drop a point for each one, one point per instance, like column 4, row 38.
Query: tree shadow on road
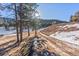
column 6, row 49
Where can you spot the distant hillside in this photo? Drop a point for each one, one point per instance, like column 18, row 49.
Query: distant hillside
column 53, row 20
column 47, row 22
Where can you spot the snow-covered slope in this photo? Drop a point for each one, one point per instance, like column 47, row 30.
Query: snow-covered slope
column 4, row 32
column 69, row 36
column 10, row 32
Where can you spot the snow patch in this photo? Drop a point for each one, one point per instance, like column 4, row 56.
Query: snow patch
column 4, row 32
column 10, row 32
column 68, row 33
column 70, row 25
column 72, row 36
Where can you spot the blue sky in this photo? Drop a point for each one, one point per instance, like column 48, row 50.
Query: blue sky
column 61, row 11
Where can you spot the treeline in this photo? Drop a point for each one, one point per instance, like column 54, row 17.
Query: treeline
column 23, row 13
column 48, row 22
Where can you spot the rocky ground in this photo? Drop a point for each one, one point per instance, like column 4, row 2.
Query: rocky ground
column 39, row 48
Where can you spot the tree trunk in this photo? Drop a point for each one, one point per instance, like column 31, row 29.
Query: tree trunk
column 20, row 30
column 20, row 22
column 35, row 32
column 28, row 29
column 17, row 32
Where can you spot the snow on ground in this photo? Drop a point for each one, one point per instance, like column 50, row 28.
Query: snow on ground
column 71, row 25
column 4, row 32
column 68, row 26
column 71, row 36
column 10, row 32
